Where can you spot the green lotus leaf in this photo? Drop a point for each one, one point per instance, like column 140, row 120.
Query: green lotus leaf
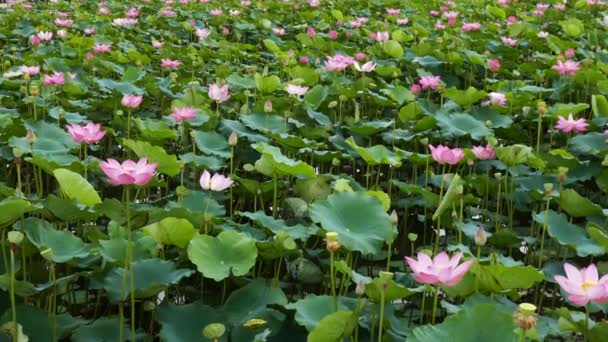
column 171, row 231
column 218, row 257
column 461, row 124
column 576, row 205
column 65, row 245
column 13, row 208
column 150, row 277
column 568, row 234
column 296, row 232
column 377, row 154
column 312, row 309
column 102, row 329
column 333, row 327
column 282, row 165
column 591, row 143
column 74, row 186
column 265, row 122
column 212, row 143
column 465, row 98
column 185, row 322
column 399, row 94
column 360, row 220
column 315, row 96
column 392, row 48
column 599, row 104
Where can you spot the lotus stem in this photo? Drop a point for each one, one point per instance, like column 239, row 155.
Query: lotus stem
column 435, row 299
column 12, row 294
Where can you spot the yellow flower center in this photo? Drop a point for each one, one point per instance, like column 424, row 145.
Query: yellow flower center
column 587, row 284
column 128, row 168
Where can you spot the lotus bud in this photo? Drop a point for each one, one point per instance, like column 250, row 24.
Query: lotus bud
column 149, row 305
column 254, row 323
column 541, row 106
column 119, row 112
column 424, row 141
column 343, row 98
column 23, row 90
column 214, row 331
column 548, row 189
column 26, row 76
column 268, row 106
column 489, row 123
column 454, row 214
column 173, row 76
column 412, row 237
column 15, row 237
column 481, row 237
column 249, row 167
column 525, row 316
column 332, row 104
column 30, row 137
column 525, row 111
column 360, row 289
column 470, row 162
column 331, row 242
column 7, row 63
column 498, row 176
column 232, row 139
column 181, row 190
column 34, row 90
column 47, row 254
column 393, row 217
column 335, row 162
column 562, row 173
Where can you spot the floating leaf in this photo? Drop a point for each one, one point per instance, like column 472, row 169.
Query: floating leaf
column 171, row 231
column 576, row 205
column 65, row 245
column 281, row 164
column 569, row 234
column 167, row 163
column 76, row 187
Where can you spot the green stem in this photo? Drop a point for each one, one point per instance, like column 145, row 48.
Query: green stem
column 477, row 275
column 333, row 280
column 381, row 323
column 129, row 124
column 231, row 176
column 388, row 259
column 542, row 239
column 539, row 129
column 274, row 196
column 53, row 303
column 422, row 306
column 12, row 294
column 586, row 331
column 435, row 299
column 86, row 151
column 436, row 249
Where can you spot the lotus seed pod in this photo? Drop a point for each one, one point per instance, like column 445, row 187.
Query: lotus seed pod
column 15, row 237
column 149, row 305
column 332, row 104
column 424, row 141
column 525, row 316
column 498, row 176
column 214, row 331
column 17, row 152
column 343, row 98
column 331, row 242
column 119, row 112
column 335, row 162
column 489, row 123
column 412, row 237
column 268, row 106
column 181, row 190
column 548, row 187
column 541, row 106
column 360, row 289
column 249, row 167
column 254, row 323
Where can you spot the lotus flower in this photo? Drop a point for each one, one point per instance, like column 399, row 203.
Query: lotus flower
column 57, row 78
column 296, row 90
column 216, row 183
column 470, row 27
column 64, row 22
column 169, row 63
column 131, row 101
column 129, row 172
column 497, row 99
column 338, row 62
column 494, row 65
column 508, row 41
column 185, row 113
column 367, row 67
column 445, row 155
column 45, row 36
column 101, row 48
column 440, row 271
column 218, row 94
column 583, row 285
column 30, row 70
column 484, row 153
column 90, row 133
column 566, row 68
column 202, row 33
column 570, row 125
column 429, row 82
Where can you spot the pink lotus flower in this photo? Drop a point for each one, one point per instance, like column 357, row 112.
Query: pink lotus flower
column 332, row 34
column 89, row 31
column 35, row 40
column 30, row 70
column 367, row 67
column 380, row 36
column 497, row 99
column 583, row 285
column 64, row 22
column 441, row 270
column 484, row 153
column 216, row 183
column 202, row 33
column 218, row 94
column 101, row 48
column 296, row 90
column 45, row 36
column 451, row 17
column 131, row 101
column 245, row 3
column 494, row 65
column 90, row 133
column 216, row 12
column 567, row 68
column 169, row 63
column 156, row 44
column 129, row 172
column 508, row 41
column 133, row 12
column 303, row 60
column 429, row 82
column 403, row 21
column 57, row 78
column 278, row 31
column 104, row 10
column 310, row 32
column 124, row 22
column 470, row 27
column 445, row 155
column 393, row 11
column 569, row 53
column 181, row 114
column 571, row 125
column 360, row 56
column 415, row 89
column 338, row 62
